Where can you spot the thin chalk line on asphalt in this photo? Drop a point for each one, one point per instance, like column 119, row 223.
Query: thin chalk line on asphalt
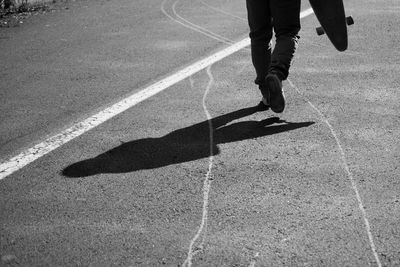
column 197, row 29
column 349, row 174
column 188, row 24
column 207, row 180
column 222, row 11
column 367, row 225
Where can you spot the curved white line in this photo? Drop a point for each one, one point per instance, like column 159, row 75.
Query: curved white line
column 207, row 180
column 349, row 174
column 199, row 28
column 222, row 11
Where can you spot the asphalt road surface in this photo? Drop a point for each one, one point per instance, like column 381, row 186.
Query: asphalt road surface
column 99, row 170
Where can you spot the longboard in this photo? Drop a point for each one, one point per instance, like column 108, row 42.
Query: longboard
column 331, row 16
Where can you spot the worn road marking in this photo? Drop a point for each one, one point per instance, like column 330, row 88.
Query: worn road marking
column 343, row 155
column 198, row 28
column 202, row 231
column 222, row 11
column 192, row 26
column 207, row 181
column 349, row 174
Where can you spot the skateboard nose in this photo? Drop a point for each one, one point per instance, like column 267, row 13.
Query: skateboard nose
column 340, row 42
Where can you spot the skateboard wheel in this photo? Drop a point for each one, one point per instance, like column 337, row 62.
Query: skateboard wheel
column 349, row 20
column 320, row 31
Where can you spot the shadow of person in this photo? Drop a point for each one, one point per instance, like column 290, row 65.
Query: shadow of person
column 183, row 145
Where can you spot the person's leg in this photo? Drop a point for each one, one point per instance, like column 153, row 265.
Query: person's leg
column 286, row 23
column 259, row 18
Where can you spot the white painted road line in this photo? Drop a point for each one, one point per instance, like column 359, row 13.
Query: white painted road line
column 26, row 157
column 21, row 160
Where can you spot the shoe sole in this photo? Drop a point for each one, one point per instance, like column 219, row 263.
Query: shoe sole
column 276, row 98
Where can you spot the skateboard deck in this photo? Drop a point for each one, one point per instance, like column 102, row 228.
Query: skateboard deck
column 331, row 16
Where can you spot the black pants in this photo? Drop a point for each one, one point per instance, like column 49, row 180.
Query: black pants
column 282, row 17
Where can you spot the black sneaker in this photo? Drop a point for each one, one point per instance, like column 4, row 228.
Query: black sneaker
column 276, row 96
